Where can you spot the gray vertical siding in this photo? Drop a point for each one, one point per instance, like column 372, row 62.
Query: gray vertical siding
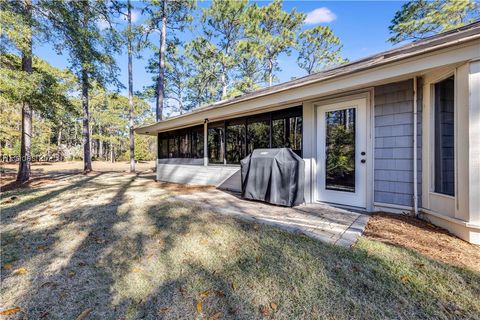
column 394, row 143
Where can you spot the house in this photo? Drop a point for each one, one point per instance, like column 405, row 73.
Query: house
column 397, row 131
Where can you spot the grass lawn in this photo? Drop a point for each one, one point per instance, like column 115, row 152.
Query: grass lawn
column 112, row 246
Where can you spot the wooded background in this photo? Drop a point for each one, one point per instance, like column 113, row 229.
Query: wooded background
column 78, row 113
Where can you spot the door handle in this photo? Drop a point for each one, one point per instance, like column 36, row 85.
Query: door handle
column 363, row 153
column 363, row 161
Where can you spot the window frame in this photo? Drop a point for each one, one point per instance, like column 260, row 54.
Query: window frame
column 432, row 136
column 432, row 201
column 434, row 126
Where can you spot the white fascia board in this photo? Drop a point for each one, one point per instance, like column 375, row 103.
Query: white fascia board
column 367, row 78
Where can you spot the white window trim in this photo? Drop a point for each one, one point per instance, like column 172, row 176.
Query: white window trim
column 438, row 202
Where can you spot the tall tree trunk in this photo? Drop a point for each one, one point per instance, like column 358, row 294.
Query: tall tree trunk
column 112, row 153
column 59, row 137
column 100, row 145
column 87, row 161
column 270, row 72
column 130, row 86
column 24, row 167
column 224, row 85
column 59, row 144
column 161, row 64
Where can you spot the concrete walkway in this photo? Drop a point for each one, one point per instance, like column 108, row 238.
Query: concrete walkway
column 319, row 221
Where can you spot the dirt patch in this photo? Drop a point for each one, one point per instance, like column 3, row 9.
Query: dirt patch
column 177, row 188
column 434, row 242
column 10, row 183
column 43, row 173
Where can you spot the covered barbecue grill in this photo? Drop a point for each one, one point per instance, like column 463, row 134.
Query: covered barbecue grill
column 276, row 176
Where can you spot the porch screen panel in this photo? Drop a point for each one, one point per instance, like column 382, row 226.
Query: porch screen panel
column 258, row 132
column 173, row 146
column 444, row 137
column 235, row 140
column 184, row 144
column 295, row 137
column 287, row 128
column 197, row 142
column 162, row 146
column 216, row 143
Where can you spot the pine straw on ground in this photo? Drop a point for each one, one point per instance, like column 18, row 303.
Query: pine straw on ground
column 419, row 235
column 118, row 246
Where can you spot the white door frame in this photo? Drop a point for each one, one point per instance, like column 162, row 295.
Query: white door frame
column 369, row 180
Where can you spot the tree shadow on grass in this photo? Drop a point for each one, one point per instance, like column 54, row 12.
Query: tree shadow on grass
column 11, row 212
column 162, row 261
column 304, row 278
column 69, row 280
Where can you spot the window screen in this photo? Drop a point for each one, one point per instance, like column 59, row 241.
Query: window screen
column 173, row 147
column 216, row 143
column 162, row 146
column 197, row 142
column 235, row 140
column 185, row 144
column 287, row 132
column 258, row 133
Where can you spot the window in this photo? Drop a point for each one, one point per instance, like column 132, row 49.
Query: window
column 287, row 130
column 162, row 146
column 216, row 140
column 295, row 136
column 230, row 141
column 444, row 94
column 340, row 150
column 258, row 132
column 185, row 144
column 235, row 140
column 173, row 147
column 197, row 142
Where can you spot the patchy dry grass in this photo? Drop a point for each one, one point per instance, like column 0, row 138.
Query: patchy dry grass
column 113, row 246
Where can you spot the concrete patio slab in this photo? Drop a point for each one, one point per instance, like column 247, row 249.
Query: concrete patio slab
column 319, row 221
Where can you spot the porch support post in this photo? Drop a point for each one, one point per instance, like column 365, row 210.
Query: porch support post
column 205, row 143
column 473, row 156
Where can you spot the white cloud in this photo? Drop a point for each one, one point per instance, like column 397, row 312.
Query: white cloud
column 102, row 24
column 136, row 15
column 320, row 15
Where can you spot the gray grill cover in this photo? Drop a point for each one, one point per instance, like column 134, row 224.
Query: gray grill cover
column 273, row 175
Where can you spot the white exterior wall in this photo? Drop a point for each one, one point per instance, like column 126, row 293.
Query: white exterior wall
column 218, row 176
column 309, row 149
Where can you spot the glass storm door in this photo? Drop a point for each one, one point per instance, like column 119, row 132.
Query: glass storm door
column 341, row 153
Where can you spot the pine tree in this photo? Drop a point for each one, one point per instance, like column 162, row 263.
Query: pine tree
column 273, row 31
column 165, row 15
column 17, row 21
column 421, row 18
column 318, row 48
column 90, row 48
column 224, row 23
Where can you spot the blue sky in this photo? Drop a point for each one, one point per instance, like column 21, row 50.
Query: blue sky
column 361, row 26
